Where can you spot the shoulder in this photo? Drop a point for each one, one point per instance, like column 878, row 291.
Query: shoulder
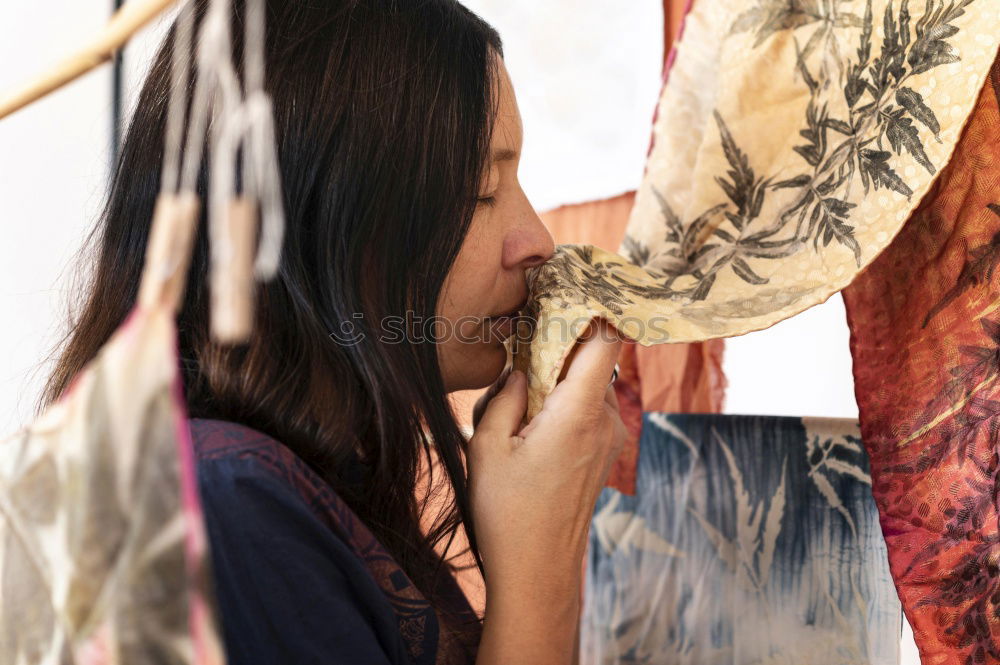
column 288, row 556
column 237, row 464
column 229, row 445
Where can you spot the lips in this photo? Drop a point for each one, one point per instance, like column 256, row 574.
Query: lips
column 501, row 326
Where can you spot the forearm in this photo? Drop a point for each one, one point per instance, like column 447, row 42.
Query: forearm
column 536, row 624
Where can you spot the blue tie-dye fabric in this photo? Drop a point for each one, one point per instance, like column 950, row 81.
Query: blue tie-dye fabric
column 750, row 540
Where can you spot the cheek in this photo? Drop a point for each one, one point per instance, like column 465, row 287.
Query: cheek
column 471, row 282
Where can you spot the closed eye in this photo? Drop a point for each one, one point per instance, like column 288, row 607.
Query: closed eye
column 487, row 200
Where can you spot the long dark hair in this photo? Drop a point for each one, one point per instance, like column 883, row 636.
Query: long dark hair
column 384, row 111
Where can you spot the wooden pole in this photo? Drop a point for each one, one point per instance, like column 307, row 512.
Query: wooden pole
column 125, row 23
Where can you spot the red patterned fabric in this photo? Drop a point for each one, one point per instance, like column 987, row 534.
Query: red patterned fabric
column 627, row 390
column 925, row 335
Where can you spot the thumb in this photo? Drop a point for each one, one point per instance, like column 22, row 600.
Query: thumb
column 480, row 407
column 503, row 414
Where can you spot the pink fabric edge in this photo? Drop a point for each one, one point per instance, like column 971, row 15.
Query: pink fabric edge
column 195, row 550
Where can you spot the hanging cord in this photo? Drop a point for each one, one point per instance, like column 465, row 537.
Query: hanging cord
column 237, row 122
column 233, row 122
column 168, row 252
column 261, row 164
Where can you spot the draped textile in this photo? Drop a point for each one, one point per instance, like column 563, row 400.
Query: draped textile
column 102, row 544
column 925, row 335
column 792, row 141
column 751, row 539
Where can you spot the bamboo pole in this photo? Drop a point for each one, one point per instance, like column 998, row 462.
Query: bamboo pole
column 125, row 23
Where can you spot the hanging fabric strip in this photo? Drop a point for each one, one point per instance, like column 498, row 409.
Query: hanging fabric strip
column 791, row 144
column 102, row 543
column 925, row 335
column 720, row 559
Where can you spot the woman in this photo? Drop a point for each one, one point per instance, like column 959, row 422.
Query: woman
column 399, row 139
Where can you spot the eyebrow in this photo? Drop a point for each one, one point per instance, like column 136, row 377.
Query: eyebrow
column 505, row 155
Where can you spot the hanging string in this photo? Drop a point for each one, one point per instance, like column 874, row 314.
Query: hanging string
column 261, row 160
column 238, row 121
column 174, row 216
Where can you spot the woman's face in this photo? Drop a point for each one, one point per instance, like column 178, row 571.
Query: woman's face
column 486, row 285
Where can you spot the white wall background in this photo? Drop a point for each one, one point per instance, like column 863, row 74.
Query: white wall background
column 587, row 108
column 53, row 166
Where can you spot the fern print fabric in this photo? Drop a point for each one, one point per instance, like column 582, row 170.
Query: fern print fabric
column 102, row 545
column 751, row 540
column 791, row 143
column 926, row 345
column 679, row 378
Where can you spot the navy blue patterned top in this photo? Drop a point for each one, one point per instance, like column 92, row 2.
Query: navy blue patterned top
column 298, row 578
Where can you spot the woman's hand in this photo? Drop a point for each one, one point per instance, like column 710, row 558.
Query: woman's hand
column 533, row 492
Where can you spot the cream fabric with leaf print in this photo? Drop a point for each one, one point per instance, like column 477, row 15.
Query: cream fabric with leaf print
column 792, row 142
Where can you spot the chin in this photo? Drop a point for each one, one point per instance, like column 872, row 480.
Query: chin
column 478, row 369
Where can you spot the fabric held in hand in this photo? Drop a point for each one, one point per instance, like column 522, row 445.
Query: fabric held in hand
column 679, row 378
column 792, row 141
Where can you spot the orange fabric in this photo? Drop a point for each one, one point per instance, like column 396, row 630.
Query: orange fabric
column 627, row 390
column 682, row 378
column 601, row 223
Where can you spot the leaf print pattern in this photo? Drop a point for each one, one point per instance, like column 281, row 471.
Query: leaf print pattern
column 823, row 457
column 757, row 528
column 763, row 577
column 823, row 211
column 926, row 332
column 793, row 139
column 615, row 530
column 978, row 270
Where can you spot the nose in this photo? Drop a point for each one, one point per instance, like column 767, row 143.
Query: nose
column 529, row 243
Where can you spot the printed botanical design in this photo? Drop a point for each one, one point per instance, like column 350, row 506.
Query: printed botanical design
column 573, row 272
column 826, row 456
column 793, row 139
column 977, row 271
column 730, row 554
column 617, row 530
column 862, row 121
column 749, row 555
column 952, row 430
column 926, row 346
